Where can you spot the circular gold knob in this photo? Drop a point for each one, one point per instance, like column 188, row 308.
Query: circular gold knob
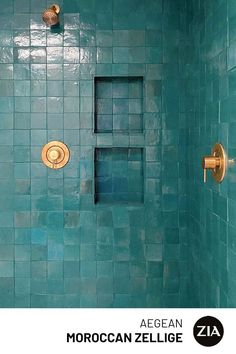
column 55, row 154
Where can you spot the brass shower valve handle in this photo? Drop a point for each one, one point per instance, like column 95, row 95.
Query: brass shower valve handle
column 55, row 154
column 217, row 163
column 210, row 162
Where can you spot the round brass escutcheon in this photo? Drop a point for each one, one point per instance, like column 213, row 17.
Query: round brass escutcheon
column 219, row 171
column 55, row 154
column 217, row 163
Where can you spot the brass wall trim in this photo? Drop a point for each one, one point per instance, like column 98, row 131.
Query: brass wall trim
column 55, row 154
column 217, row 163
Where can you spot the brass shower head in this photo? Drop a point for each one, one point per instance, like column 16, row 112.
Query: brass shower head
column 51, row 15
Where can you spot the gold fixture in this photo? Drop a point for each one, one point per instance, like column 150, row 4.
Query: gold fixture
column 217, row 163
column 51, row 15
column 55, row 154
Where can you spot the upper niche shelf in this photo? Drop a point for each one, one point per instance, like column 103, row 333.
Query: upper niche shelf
column 118, row 105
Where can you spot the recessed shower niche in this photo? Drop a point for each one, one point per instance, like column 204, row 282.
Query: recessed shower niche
column 118, row 104
column 119, row 175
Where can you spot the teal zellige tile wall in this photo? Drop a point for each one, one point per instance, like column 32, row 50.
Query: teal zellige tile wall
column 57, row 247
column 212, row 87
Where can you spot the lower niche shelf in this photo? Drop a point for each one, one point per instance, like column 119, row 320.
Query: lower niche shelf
column 119, row 175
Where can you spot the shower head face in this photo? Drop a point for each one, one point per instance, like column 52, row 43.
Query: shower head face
column 50, row 16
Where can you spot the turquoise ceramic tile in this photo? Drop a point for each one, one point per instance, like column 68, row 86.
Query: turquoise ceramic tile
column 6, row 88
column 22, row 186
column 71, row 88
column 104, row 38
column 104, row 283
column 22, row 219
column 6, row 153
column 137, row 55
column 88, row 301
column 38, row 236
column 22, row 71
column 22, row 269
column 6, row 269
column 38, row 301
column 22, row 7
column 22, row 120
column 87, row 269
column 38, row 38
column 87, row 38
column 6, row 104
column 38, row 269
column 104, row 268
column 104, row 55
column 38, row 121
column 38, row 137
column 71, row 219
column 120, row 69
column 37, row 55
column 6, row 253
column 120, row 38
column 138, row 287
column 153, row 37
column 87, row 251
column 6, row 54
column 22, row 202
column 154, row 252
column 22, row 253
column 38, row 104
column 71, row 55
column 7, row 301
column 70, row 72
column 6, row 137
column 55, row 251
column 122, row 301
column 71, row 38
column 120, row 55
column 38, row 88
